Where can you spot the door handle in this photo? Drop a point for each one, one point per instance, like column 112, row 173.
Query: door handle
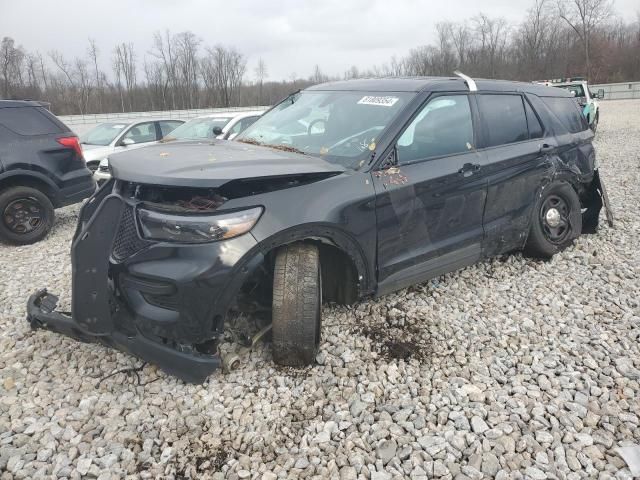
column 547, row 148
column 469, row 168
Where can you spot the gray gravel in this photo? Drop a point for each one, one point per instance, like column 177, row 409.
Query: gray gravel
column 509, row 369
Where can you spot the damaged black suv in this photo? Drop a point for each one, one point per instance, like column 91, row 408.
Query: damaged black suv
column 341, row 191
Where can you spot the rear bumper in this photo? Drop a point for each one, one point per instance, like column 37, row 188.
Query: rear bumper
column 75, row 187
column 164, row 303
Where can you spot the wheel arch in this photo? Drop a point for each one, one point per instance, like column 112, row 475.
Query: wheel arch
column 30, row 179
column 343, row 261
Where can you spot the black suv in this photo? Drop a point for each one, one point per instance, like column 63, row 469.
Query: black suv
column 41, row 168
column 342, row 191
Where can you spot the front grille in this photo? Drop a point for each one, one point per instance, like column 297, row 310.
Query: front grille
column 127, row 241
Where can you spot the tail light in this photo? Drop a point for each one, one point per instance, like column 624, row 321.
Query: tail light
column 71, row 142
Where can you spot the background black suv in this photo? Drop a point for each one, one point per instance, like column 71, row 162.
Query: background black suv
column 41, row 168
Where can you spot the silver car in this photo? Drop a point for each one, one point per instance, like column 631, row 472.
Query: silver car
column 107, row 138
column 224, row 126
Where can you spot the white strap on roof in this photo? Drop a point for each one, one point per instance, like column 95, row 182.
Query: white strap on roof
column 470, row 83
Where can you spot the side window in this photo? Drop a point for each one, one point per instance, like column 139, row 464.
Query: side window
column 240, row 126
column 28, row 121
column 236, row 129
column 142, row 133
column 247, row 122
column 167, row 126
column 443, row 127
column 535, row 129
column 504, row 119
column 568, row 112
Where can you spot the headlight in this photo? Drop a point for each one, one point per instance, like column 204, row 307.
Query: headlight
column 196, row 228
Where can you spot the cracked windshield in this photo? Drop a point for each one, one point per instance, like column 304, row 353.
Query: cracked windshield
column 340, row 126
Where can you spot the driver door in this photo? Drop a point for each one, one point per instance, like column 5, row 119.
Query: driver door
column 429, row 205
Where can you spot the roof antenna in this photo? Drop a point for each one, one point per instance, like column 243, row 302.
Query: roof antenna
column 470, row 83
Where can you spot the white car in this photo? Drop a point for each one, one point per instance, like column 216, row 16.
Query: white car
column 224, row 126
column 112, row 137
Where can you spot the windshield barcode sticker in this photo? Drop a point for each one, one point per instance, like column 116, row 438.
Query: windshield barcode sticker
column 380, row 101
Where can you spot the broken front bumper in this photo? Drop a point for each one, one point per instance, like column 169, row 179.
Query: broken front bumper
column 190, row 366
column 162, row 302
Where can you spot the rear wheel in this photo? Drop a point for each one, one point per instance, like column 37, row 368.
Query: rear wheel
column 27, row 215
column 297, row 305
column 556, row 223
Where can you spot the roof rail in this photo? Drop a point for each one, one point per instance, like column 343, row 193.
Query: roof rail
column 470, row 83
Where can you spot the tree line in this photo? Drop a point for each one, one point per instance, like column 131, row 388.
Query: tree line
column 556, row 38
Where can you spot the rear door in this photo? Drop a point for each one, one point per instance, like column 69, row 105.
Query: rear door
column 515, row 162
column 429, row 207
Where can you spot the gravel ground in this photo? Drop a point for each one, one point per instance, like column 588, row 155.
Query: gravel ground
column 509, row 369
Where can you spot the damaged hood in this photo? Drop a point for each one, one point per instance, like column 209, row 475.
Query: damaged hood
column 211, row 164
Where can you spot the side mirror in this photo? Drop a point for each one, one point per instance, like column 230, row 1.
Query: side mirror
column 127, row 141
column 601, row 93
column 217, row 131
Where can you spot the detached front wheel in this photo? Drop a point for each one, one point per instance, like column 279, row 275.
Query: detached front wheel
column 556, row 222
column 297, row 305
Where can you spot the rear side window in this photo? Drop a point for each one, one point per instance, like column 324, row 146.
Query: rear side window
column 504, row 119
column 568, row 112
column 167, row 126
column 28, row 121
column 535, row 129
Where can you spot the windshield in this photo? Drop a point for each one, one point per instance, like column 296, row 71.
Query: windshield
column 198, row 129
column 340, row 126
column 102, row 134
column 577, row 90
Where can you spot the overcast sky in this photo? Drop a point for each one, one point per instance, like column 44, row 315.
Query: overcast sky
column 290, row 35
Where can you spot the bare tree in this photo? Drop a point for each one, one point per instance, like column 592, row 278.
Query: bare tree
column 492, row 34
column 11, row 59
column 187, row 62
column 261, row 74
column 74, row 75
column 124, row 67
column 98, row 77
column 461, row 39
column 318, row 76
column 164, row 49
column 584, row 16
column 222, row 72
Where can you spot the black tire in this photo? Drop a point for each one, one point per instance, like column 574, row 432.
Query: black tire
column 26, row 215
column 93, row 166
column 297, row 305
column 548, row 235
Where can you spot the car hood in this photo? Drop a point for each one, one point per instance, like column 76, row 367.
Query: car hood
column 211, row 164
column 95, row 152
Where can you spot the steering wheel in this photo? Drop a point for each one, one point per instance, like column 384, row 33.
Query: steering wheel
column 360, row 145
column 317, row 120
